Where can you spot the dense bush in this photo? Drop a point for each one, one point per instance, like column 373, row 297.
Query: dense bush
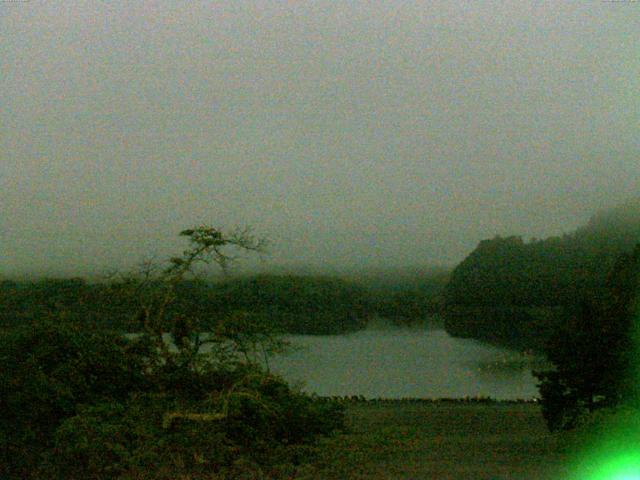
column 48, row 370
column 166, row 435
column 85, row 404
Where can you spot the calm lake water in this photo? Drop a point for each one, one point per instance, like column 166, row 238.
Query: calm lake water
column 403, row 362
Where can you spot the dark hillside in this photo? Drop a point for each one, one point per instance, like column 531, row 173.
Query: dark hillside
column 287, row 303
column 515, row 292
column 295, row 304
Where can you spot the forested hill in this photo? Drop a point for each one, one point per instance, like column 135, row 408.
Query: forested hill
column 515, row 292
column 288, row 303
column 296, row 304
column 302, row 304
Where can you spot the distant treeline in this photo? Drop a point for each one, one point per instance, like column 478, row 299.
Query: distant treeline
column 294, row 304
column 407, row 296
column 517, row 293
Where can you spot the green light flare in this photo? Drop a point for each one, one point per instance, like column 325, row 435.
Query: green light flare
column 636, row 339
column 615, row 467
column 614, row 455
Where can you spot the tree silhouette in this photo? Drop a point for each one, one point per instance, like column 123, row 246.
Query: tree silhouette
column 594, row 353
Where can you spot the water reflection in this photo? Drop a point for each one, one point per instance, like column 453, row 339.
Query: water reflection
column 405, row 362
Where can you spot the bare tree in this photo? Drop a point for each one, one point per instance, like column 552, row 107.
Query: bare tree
column 154, row 286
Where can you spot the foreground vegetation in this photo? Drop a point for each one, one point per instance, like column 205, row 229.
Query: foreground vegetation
column 86, row 404
column 81, row 401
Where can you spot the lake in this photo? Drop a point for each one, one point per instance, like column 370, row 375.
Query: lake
column 405, row 362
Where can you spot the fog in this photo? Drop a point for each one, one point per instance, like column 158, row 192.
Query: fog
column 352, row 134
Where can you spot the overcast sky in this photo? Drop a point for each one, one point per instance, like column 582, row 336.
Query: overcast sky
column 350, row 133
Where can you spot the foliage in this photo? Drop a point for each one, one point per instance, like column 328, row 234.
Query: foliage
column 151, row 435
column 169, row 402
column 49, row 369
column 594, row 354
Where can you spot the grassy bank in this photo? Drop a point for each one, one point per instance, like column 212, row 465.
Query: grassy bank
column 440, row 440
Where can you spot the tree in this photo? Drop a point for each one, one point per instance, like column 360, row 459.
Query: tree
column 594, row 354
column 155, row 289
column 170, row 403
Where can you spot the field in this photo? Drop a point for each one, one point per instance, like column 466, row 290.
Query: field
column 423, row 440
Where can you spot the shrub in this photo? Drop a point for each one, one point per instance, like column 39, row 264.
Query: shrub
column 48, row 370
column 257, row 424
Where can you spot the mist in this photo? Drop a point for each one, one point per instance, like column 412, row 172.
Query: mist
column 352, row 134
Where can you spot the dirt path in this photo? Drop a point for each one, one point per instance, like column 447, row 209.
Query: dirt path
column 441, row 441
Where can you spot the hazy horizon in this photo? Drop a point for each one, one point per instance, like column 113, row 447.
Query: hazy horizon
column 354, row 135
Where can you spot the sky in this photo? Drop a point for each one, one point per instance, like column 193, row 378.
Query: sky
column 352, row 134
